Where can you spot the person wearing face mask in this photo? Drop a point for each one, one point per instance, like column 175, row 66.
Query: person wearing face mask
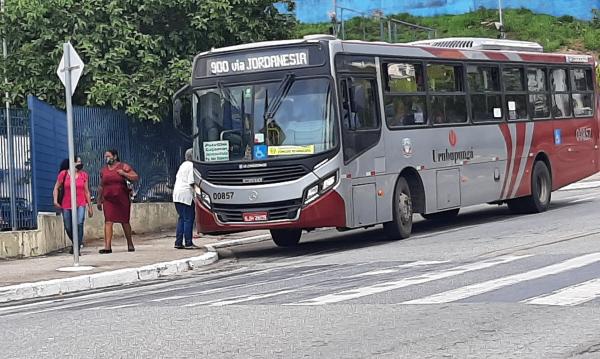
column 114, row 198
column 83, row 198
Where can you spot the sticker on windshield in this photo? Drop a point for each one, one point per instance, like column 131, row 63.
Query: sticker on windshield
column 291, row 150
column 259, row 138
column 216, row 151
column 260, row 152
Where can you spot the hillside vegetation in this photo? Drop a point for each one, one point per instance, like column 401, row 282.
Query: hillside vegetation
column 554, row 33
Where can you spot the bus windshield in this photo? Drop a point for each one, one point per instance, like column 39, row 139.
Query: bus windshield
column 256, row 122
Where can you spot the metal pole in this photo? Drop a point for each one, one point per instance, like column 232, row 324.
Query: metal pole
column 500, row 10
column 389, row 31
column 9, row 137
column 68, row 93
column 342, row 21
column 335, row 18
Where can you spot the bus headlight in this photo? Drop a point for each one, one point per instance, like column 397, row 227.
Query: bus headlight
column 204, row 198
column 320, row 188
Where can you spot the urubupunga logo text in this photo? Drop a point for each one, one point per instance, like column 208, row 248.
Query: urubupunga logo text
column 452, row 156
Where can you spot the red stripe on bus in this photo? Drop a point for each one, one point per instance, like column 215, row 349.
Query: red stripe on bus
column 520, row 137
column 445, row 53
column 498, row 56
column 543, row 58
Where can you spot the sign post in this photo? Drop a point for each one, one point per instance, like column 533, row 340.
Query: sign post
column 69, row 72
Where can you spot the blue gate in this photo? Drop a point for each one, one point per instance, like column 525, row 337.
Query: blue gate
column 21, row 163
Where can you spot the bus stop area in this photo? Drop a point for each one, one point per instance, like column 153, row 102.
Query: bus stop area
column 154, row 257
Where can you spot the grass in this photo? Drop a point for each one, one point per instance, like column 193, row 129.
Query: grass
column 554, row 33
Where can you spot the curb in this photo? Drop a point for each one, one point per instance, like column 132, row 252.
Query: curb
column 104, row 279
column 120, row 276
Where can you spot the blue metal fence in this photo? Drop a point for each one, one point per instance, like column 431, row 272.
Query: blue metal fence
column 154, row 150
column 21, row 162
column 48, row 148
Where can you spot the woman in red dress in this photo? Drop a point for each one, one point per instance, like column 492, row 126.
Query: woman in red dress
column 113, row 197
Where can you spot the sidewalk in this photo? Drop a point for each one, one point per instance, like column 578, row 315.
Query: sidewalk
column 154, row 257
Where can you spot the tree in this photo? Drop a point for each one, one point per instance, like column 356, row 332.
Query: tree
column 137, row 52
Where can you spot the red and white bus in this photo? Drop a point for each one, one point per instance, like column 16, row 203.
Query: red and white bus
column 319, row 132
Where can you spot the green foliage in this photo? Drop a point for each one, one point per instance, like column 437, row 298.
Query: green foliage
column 137, row 52
column 554, row 33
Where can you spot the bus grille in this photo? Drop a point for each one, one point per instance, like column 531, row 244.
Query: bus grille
column 256, row 176
column 276, row 211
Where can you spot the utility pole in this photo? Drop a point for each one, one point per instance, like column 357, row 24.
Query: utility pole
column 9, row 138
column 502, row 33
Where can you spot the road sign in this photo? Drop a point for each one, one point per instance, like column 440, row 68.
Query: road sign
column 76, row 67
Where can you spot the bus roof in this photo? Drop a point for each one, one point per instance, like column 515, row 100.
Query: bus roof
column 449, row 48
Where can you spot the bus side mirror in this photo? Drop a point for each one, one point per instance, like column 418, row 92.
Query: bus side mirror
column 177, row 105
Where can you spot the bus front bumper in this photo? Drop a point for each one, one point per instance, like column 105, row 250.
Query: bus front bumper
column 327, row 211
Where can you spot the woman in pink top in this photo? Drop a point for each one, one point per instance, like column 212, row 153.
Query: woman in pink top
column 82, row 195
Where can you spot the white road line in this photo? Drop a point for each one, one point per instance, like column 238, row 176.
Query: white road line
column 488, row 286
column 396, row 268
column 250, row 298
column 573, row 295
column 175, row 297
column 424, row 278
column 581, row 185
column 115, row 307
column 584, row 199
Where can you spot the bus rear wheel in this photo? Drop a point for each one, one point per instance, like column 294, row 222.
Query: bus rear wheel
column 401, row 225
column 286, row 237
column 441, row 216
column 541, row 192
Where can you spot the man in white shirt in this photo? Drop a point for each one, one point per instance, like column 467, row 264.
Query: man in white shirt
column 183, row 196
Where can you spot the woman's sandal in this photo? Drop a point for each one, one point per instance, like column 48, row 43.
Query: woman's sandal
column 105, row 251
column 132, row 249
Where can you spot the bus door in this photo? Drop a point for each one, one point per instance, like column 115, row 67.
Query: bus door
column 363, row 153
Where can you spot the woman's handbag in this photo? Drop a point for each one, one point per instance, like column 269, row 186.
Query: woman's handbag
column 61, row 189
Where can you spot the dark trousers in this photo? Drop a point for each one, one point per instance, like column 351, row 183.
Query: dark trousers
column 185, row 223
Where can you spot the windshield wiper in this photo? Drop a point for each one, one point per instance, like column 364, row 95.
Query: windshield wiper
column 282, row 91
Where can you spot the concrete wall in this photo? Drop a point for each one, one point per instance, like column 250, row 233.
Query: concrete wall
column 50, row 235
column 317, row 10
column 145, row 218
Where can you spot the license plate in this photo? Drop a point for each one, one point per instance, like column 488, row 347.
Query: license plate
column 255, row 217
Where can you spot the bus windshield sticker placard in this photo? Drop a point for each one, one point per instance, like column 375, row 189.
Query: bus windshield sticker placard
column 291, row 150
column 255, row 62
column 216, row 151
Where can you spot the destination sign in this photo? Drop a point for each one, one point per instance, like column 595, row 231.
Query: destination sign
column 254, row 62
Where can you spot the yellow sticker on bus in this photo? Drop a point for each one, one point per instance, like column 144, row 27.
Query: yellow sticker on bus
column 291, row 150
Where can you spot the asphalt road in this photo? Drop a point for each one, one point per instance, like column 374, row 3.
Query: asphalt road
column 488, row 285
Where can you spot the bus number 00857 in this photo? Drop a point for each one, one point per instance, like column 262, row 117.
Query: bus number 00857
column 222, row 195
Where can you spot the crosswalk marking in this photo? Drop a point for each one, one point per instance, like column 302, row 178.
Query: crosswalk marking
column 250, row 298
column 488, row 286
column 423, row 278
column 396, row 268
column 573, row 295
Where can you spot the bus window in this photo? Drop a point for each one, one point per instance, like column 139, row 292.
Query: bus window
column 447, row 97
column 405, row 99
column 513, row 79
column 559, row 84
column 583, row 104
column 484, row 87
column 538, row 92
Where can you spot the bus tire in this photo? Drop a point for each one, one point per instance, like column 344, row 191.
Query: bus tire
column 286, row 237
column 441, row 216
column 401, row 225
column 541, row 192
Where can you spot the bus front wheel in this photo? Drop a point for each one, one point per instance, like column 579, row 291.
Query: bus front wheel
column 286, row 237
column 401, row 225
